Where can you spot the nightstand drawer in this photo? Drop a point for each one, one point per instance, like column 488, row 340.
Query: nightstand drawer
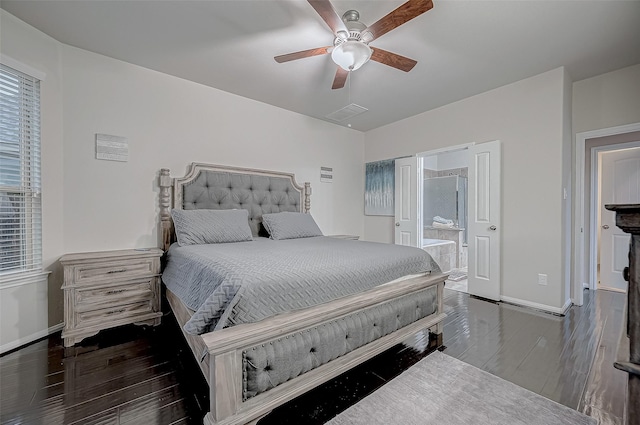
column 90, row 297
column 105, row 289
column 121, row 270
column 113, row 313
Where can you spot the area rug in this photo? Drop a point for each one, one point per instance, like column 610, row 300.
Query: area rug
column 441, row 390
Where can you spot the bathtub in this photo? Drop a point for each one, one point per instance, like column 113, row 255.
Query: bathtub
column 435, row 242
column 443, row 252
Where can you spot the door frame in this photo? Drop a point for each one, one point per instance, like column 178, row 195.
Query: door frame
column 445, row 150
column 416, row 196
column 592, row 277
column 579, row 243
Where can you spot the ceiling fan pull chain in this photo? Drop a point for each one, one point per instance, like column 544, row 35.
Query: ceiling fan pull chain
column 349, row 88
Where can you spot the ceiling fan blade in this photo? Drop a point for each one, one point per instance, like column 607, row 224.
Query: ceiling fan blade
column 393, row 59
column 340, row 79
column 302, row 54
column 401, row 15
column 329, row 15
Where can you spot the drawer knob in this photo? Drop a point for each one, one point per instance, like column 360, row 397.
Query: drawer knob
column 116, row 291
column 116, row 311
column 117, row 271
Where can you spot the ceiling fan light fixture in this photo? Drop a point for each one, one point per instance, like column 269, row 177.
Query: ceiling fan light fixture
column 351, row 54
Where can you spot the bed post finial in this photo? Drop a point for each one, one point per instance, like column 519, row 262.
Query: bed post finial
column 165, row 207
column 307, row 197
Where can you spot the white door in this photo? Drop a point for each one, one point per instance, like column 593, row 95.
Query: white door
column 408, row 196
column 484, row 220
column 619, row 184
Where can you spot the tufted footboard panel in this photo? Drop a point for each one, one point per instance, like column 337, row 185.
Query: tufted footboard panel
column 268, row 365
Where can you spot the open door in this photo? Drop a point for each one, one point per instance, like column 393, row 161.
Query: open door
column 484, row 220
column 619, row 184
column 408, row 196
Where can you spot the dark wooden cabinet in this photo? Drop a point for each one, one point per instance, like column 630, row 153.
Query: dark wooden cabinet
column 628, row 219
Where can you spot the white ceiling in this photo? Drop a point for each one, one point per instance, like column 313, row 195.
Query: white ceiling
column 462, row 47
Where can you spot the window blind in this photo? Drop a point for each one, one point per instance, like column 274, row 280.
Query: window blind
column 20, row 197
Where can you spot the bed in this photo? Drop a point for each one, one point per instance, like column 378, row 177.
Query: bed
column 282, row 315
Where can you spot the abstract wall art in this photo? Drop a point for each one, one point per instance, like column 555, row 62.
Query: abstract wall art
column 379, row 187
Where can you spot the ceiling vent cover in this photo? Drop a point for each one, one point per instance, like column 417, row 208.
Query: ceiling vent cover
column 346, row 112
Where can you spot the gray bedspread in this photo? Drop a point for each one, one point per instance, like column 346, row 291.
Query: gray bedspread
column 245, row 282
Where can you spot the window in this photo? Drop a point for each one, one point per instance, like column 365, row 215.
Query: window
column 20, row 202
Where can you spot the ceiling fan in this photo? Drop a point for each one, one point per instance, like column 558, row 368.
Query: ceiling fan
column 350, row 48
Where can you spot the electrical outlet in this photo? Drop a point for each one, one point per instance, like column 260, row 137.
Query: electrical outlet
column 542, row 279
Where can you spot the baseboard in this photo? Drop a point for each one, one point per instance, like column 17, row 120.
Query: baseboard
column 542, row 307
column 30, row 338
column 609, row 288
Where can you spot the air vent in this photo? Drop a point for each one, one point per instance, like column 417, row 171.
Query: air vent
column 346, row 112
column 326, row 174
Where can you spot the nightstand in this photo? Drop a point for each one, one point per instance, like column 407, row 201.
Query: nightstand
column 110, row 288
column 352, row 237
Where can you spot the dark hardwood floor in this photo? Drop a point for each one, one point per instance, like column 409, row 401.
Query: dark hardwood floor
column 134, row 375
column 566, row 359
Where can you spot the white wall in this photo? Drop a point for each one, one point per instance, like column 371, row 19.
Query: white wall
column 454, row 159
column 170, row 122
column 527, row 116
column 34, row 49
column 91, row 205
column 430, row 162
column 607, row 100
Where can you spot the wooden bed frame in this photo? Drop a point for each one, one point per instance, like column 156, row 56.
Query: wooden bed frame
column 222, row 368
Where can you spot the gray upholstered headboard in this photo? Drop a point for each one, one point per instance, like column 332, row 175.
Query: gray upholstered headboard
column 222, row 187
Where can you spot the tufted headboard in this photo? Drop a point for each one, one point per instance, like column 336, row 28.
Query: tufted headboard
column 220, row 187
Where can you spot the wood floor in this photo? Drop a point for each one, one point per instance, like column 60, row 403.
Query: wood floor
column 566, row 359
column 133, row 375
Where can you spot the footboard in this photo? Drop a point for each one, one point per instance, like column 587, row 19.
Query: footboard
column 241, row 358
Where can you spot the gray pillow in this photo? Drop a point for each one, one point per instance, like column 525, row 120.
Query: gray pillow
column 290, row 225
column 195, row 227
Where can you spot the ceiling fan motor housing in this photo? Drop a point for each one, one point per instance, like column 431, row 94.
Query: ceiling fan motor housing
column 351, row 19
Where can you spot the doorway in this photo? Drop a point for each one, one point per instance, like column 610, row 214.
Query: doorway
column 616, row 173
column 585, row 221
column 483, row 231
column 445, row 214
